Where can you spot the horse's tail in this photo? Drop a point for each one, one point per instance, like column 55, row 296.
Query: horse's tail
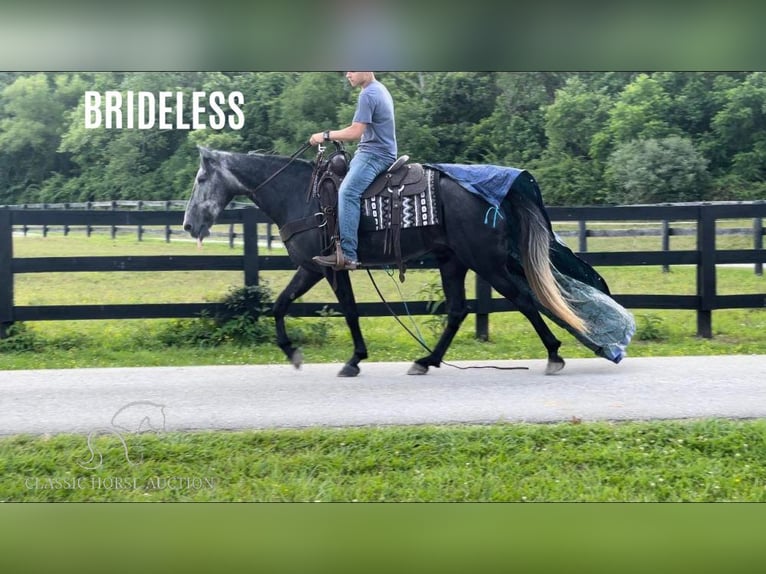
column 534, row 245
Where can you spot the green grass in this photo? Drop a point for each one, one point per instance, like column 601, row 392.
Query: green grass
column 701, row 461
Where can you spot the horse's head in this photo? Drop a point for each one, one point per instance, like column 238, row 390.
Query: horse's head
column 211, row 193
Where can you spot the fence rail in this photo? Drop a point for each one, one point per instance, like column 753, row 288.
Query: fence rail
column 705, row 257
column 270, row 237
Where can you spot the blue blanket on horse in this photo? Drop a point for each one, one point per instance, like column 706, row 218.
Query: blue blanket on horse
column 611, row 326
column 490, row 182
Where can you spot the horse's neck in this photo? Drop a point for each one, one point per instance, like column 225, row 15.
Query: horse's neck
column 281, row 196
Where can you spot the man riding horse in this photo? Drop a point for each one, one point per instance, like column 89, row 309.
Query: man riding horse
column 374, row 127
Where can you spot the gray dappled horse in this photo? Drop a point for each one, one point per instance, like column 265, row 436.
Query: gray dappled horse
column 461, row 241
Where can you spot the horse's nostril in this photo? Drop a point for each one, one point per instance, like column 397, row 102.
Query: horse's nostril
column 187, row 227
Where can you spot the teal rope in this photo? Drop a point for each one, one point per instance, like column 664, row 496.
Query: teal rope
column 497, row 212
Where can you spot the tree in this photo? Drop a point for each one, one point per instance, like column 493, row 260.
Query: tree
column 642, row 111
column 740, row 129
column 565, row 127
column 310, row 103
column 514, row 133
column 262, row 92
column 657, row 170
column 566, row 170
column 575, row 116
column 32, row 119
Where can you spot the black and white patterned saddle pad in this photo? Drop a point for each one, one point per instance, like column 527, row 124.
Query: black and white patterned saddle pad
column 418, row 210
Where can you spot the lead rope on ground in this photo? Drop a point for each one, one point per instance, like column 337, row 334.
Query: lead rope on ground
column 418, row 337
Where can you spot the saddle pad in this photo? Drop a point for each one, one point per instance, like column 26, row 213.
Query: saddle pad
column 418, row 210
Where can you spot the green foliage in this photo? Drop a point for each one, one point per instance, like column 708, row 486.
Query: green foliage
column 241, row 322
column 433, row 293
column 570, row 128
column 656, row 171
column 570, row 180
column 317, row 331
column 574, row 117
column 244, row 323
column 20, row 339
column 651, row 328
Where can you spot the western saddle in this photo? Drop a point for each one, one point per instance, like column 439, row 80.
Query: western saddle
column 399, row 181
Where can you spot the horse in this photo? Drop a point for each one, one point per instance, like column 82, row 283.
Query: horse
column 460, row 241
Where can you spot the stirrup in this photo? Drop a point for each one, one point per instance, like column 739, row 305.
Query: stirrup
column 398, row 163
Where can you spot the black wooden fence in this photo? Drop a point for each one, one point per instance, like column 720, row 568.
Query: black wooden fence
column 269, row 235
column 705, row 257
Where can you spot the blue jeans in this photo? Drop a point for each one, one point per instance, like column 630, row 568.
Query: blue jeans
column 363, row 169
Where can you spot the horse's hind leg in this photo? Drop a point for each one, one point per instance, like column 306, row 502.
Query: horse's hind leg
column 341, row 284
column 453, row 282
column 505, row 284
column 303, row 280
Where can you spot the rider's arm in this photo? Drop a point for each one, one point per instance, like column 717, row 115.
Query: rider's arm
column 351, row 133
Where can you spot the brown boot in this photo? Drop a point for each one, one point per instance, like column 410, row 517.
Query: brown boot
column 337, row 261
column 326, row 260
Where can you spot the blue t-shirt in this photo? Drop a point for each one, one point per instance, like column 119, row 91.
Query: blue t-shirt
column 376, row 109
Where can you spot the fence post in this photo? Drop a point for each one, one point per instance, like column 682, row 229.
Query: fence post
column 114, row 227
column 483, row 308
column 269, row 231
column 140, row 228
column 232, row 235
column 582, row 236
column 167, row 227
column 45, row 225
column 665, row 242
column 250, row 237
column 706, row 279
column 88, row 227
column 66, row 225
column 6, row 272
column 758, row 241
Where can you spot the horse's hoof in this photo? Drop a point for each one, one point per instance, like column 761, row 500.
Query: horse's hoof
column 297, row 358
column 348, row 371
column 417, row 369
column 554, row 367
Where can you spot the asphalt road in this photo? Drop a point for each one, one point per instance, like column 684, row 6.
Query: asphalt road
column 278, row 396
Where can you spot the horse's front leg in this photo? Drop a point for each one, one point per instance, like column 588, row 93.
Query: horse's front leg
column 303, row 280
column 341, row 285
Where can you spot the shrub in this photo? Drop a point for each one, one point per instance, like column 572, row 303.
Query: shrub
column 657, row 171
column 314, row 331
column 433, row 292
column 651, row 328
column 20, row 339
column 240, row 322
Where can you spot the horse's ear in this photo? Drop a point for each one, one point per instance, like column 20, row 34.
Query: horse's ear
column 207, row 158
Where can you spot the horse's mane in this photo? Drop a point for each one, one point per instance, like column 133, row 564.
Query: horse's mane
column 273, row 153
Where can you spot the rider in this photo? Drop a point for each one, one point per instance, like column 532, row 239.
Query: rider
column 374, row 126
